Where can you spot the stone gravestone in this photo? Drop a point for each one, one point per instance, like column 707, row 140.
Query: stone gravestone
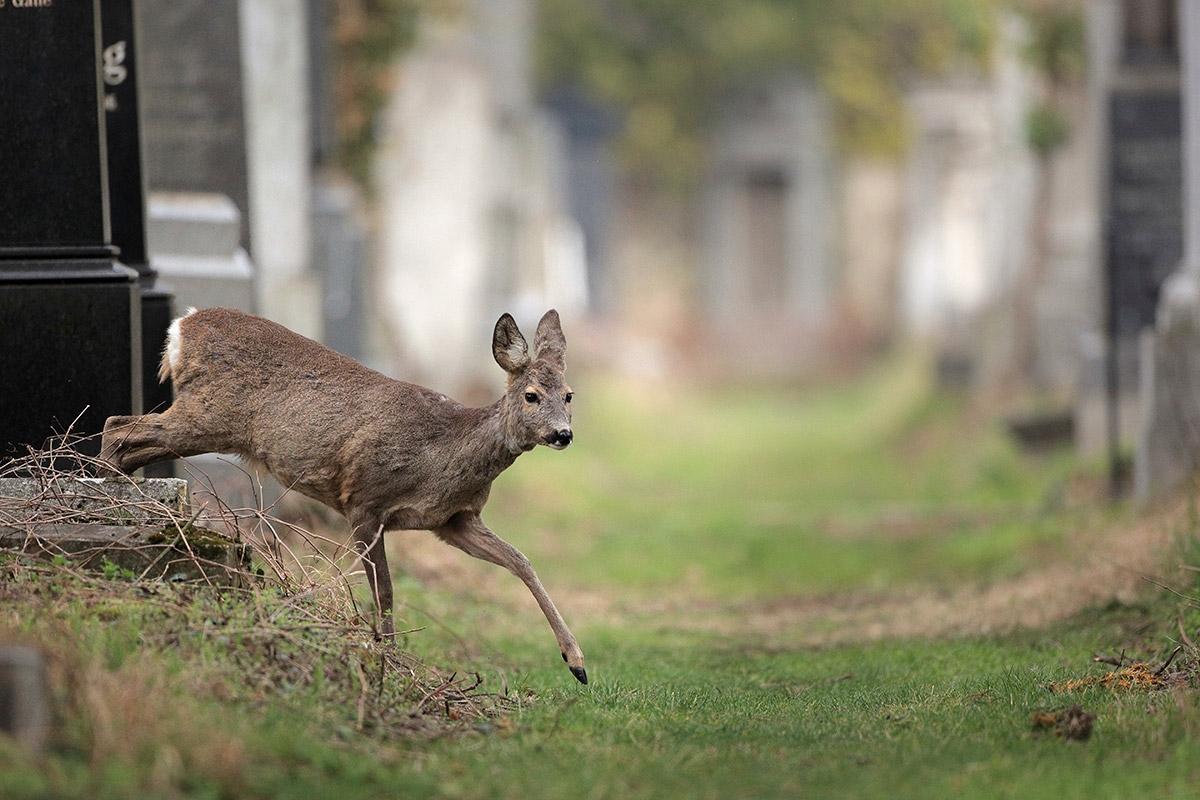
column 1144, row 237
column 1168, row 453
column 70, row 315
column 1144, row 241
column 194, row 147
column 191, row 90
column 767, row 220
column 1145, row 203
column 127, row 189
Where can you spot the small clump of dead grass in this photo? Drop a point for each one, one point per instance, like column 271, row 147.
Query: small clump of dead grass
column 1072, row 724
column 1138, row 676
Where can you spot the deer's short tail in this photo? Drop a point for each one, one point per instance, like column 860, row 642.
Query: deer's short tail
column 168, row 368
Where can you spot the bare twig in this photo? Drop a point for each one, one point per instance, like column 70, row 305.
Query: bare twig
column 1183, row 634
column 1114, row 661
column 1167, row 663
column 1182, row 596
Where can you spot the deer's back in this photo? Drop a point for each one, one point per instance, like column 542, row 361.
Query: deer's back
column 316, row 418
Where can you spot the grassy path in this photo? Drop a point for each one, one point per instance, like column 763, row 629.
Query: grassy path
column 1112, row 560
column 856, row 593
column 805, row 517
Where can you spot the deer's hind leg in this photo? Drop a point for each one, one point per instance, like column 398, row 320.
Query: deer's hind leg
column 368, row 541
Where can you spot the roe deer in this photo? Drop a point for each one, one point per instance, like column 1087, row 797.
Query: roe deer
column 384, row 453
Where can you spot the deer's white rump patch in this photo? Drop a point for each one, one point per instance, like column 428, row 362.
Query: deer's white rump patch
column 173, row 350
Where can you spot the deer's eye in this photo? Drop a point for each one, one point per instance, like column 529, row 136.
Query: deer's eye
column 531, row 397
column 567, row 397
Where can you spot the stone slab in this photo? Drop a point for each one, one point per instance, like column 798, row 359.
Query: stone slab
column 150, row 553
column 111, row 501
column 194, row 224
column 1168, row 446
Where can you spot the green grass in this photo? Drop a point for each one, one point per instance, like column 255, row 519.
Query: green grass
column 674, row 714
column 948, row 718
column 706, row 499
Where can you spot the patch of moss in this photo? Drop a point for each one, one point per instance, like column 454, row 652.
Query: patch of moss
column 199, row 542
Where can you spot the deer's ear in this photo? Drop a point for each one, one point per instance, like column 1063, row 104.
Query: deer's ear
column 549, row 344
column 508, row 345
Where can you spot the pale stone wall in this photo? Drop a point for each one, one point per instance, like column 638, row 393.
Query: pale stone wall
column 275, row 62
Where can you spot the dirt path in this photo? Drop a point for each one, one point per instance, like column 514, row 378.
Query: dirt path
column 1113, row 560
column 1117, row 562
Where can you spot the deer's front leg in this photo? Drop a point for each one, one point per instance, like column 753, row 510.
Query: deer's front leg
column 467, row 532
column 131, row 443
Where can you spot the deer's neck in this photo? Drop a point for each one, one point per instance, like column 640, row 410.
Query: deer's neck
column 488, row 443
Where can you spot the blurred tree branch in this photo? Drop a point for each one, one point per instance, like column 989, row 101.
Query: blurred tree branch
column 367, row 34
column 666, row 63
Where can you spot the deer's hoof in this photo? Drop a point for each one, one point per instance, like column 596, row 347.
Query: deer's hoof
column 579, row 672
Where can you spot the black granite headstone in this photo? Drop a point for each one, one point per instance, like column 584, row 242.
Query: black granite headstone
column 70, row 352
column 191, row 92
column 52, row 131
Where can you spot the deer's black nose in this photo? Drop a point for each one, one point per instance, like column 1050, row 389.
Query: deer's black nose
column 561, row 438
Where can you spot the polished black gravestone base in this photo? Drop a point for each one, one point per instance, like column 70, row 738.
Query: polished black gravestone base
column 71, row 354
column 158, row 307
column 158, row 310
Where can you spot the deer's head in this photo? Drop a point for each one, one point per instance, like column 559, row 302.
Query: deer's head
column 537, row 398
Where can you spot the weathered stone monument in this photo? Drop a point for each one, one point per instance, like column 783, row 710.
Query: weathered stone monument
column 24, row 705
column 470, row 219
column 1144, row 237
column 70, row 314
column 194, row 148
column 768, row 216
column 1168, row 452
column 195, row 134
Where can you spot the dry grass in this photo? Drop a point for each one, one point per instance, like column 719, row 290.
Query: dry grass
column 1138, row 676
column 137, row 667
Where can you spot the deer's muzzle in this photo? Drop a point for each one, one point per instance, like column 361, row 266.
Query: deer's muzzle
column 560, row 439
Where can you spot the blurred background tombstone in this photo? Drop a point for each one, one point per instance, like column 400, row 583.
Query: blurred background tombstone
column 70, row 314
column 24, row 710
column 768, row 231
column 1164, row 37
column 1134, row 87
column 195, row 151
